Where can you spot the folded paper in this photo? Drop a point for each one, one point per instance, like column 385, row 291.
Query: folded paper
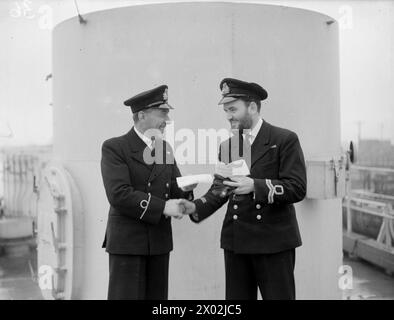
column 193, row 179
column 235, row 168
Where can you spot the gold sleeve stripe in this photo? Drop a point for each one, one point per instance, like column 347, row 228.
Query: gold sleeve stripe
column 144, row 204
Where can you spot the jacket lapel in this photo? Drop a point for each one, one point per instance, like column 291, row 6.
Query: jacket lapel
column 230, row 151
column 137, row 147
column 261, row 143
column 161, row 156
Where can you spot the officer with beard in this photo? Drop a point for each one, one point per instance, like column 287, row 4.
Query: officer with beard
column 260, row 230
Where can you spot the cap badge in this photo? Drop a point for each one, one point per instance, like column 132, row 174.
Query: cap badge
column 225, row 89
column 165, row 95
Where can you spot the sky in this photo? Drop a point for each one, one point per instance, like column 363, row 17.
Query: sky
column 366, row 64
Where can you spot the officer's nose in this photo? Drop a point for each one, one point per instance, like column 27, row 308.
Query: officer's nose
column 229, row 116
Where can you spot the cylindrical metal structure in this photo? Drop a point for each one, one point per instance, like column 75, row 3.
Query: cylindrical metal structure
column 190, row 47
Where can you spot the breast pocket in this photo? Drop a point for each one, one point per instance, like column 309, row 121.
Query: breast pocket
column 270, row 156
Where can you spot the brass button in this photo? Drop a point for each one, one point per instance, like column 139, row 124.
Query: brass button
column 148, row 184
column 235, row 217
column 166, row 195
column 258, row 217
column 167, row 185
column 235, row 207
column 258, row 206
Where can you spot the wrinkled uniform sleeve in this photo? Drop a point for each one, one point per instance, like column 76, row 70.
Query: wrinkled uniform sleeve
column 208, row 203
column 118, row 188
column 290, row 187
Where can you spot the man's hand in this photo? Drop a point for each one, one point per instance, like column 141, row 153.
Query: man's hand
column 174, row 208
column 189, row 206
column 190, row 187
column 243, row 185
column 220, row 189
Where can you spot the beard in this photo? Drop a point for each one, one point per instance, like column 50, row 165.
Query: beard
column 245, row 124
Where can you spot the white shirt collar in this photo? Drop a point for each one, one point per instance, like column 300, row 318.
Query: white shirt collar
column 255, row 130
column 144, row 138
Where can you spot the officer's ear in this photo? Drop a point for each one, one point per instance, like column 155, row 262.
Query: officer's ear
column 141, row 115
column 253, row 107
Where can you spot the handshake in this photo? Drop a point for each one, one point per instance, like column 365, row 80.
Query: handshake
column 177, row 208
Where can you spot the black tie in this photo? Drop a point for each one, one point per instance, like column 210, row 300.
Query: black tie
column 153, row 153
column 241, row 143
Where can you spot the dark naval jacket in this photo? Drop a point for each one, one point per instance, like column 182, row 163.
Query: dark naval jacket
column 263, row 221
column 137, row 192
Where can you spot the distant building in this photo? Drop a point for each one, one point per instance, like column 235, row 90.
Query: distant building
column 375, row 153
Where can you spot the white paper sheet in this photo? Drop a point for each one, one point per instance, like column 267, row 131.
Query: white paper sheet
column 235, row 168
column 197, row 178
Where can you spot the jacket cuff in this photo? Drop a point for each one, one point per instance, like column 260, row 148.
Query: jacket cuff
column 266, row 190
column 198, row 215
column 152, row 209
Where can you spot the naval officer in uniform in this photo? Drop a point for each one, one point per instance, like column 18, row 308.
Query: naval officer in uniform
column 260, row 231
column 139, row 172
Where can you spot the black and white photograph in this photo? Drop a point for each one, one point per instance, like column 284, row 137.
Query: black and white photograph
column 216, row 151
